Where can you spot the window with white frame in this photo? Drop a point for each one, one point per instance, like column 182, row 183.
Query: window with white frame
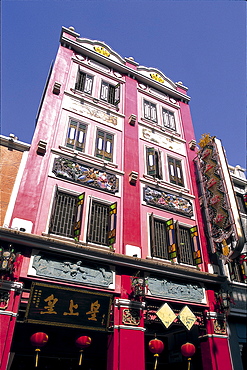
column 150, row 111
column 168, row 119
column 175, row 171
column 76, row 136
column 84, row 82
column 110, row 93
column 153, row 159
column 104, row 145
column 171, row 241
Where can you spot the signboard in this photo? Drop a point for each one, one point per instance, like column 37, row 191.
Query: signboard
column 63, row 306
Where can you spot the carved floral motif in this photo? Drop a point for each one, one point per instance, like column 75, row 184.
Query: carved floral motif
column 85, row 175
column 168, row 201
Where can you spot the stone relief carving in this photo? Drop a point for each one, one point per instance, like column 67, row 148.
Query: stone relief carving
column 171, row 290
column 168, row 201
column 76, row 271
column 163, row 141
column 85, row 175
column 89, row 111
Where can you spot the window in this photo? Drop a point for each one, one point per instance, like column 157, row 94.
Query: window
column 168, row 119
column 84, row 82
column 238, row 269
column 104, row 145
column 102, row 223
column 153, row 157
column 170, row 241
column 159, row 238
column 150, row 111
column 76, row 135
column 110, row 93
column 175, row 171
column 66, row 214
column 241, row 201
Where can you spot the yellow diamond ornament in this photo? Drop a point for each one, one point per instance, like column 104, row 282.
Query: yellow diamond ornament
column 187, row 317
column 166, row 315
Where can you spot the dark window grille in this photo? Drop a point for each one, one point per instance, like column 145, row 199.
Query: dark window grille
column 84, row 82
column 98, row 223
column 159, row 245
column 62, row 221
column 110, row 93
column 185, row 246
column 150, row 111
column 169, row 119
column 154, row 166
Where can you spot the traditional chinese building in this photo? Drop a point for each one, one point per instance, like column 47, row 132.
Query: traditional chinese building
column 106, row 230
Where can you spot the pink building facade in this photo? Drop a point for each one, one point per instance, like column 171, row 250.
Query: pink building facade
column 108, row 224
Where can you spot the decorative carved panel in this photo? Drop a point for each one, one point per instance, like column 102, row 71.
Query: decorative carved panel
column 85, row 175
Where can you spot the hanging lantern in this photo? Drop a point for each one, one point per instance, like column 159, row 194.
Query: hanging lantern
column 38, row 340
column 188, row 350
column 82, row 342
column 156, row 346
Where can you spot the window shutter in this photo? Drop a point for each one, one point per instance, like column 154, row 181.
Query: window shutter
column 146, row 109
column 117, row 94
column 71, row 134
column 172, row 246
column 151, row 163
column 172, row 122
column 197, row 258
column 153, row 112
column 159, row 165
column 53, row 209
column 165, row 118
column 104, row 91
column 108, row 147
column 80, row 140
column 152, row 234
column 112, row 223
column 88, row 84
column 81, row 76
column 78, row 216
column 180, row 180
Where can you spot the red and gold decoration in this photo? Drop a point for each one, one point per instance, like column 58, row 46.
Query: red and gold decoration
column 188, row 350
column 82, row 342
column 217, row 202
column 7, row 259
column 38, row 340
column 139, row 287
column 156, row 346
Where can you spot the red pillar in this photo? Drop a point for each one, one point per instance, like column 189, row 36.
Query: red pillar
column 8, row 320
column 215, row 348
column 128, row 333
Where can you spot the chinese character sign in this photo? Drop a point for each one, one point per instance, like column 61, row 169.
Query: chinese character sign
column 56, row 305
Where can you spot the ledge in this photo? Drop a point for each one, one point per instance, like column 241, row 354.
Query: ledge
column 82, row 250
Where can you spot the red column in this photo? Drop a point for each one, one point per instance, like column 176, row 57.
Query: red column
column 215, row 348
column 8, row 321
column 128, row 333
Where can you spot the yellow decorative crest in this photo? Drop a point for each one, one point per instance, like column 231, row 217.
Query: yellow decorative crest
column 157, row 77
column 205, row 140
column 102, row 51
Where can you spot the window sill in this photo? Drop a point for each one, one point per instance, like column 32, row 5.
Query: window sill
column 165, row 185
column 170, row 262
column 93, row 161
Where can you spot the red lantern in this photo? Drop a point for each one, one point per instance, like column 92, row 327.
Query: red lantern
column 82, row 342
column 156, row 346
column 38, row 340
column 188, row 350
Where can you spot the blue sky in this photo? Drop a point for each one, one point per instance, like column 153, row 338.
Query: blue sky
column 201, row 43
